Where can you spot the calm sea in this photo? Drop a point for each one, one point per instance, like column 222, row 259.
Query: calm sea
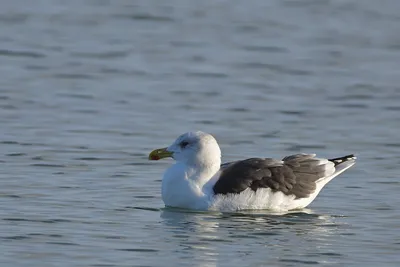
column 88, row 88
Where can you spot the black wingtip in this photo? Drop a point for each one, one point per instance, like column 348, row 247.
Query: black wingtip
column 343, row 159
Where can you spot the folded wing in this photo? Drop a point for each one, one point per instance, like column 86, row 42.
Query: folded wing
column 294, row 175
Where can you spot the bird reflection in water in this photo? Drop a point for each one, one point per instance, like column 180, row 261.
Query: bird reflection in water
column 207, row 237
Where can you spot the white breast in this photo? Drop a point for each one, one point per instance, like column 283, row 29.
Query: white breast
column 180, row 191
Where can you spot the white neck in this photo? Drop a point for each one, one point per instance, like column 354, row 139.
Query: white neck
column 188, row 186
column 201, row 174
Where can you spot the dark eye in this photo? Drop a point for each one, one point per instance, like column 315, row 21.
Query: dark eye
column 184, row 144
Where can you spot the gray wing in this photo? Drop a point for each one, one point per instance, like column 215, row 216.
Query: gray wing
column 293, row 175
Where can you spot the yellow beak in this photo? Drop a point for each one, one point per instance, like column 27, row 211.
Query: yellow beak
column 159, row 154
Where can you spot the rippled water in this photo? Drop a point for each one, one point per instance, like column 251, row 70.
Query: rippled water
column 88, row 88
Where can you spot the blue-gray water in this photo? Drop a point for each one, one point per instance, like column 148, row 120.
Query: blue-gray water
column 88, row 88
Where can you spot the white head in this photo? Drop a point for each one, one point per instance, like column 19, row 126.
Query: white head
column 193, row 148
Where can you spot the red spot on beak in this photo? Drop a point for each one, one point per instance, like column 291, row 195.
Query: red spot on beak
column 155, row 157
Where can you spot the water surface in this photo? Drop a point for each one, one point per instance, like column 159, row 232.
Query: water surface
column 88, row 88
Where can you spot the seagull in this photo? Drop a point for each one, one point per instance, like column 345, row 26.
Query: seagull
column 198, row 180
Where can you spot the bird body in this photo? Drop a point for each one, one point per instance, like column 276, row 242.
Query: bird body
column 199, row 181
